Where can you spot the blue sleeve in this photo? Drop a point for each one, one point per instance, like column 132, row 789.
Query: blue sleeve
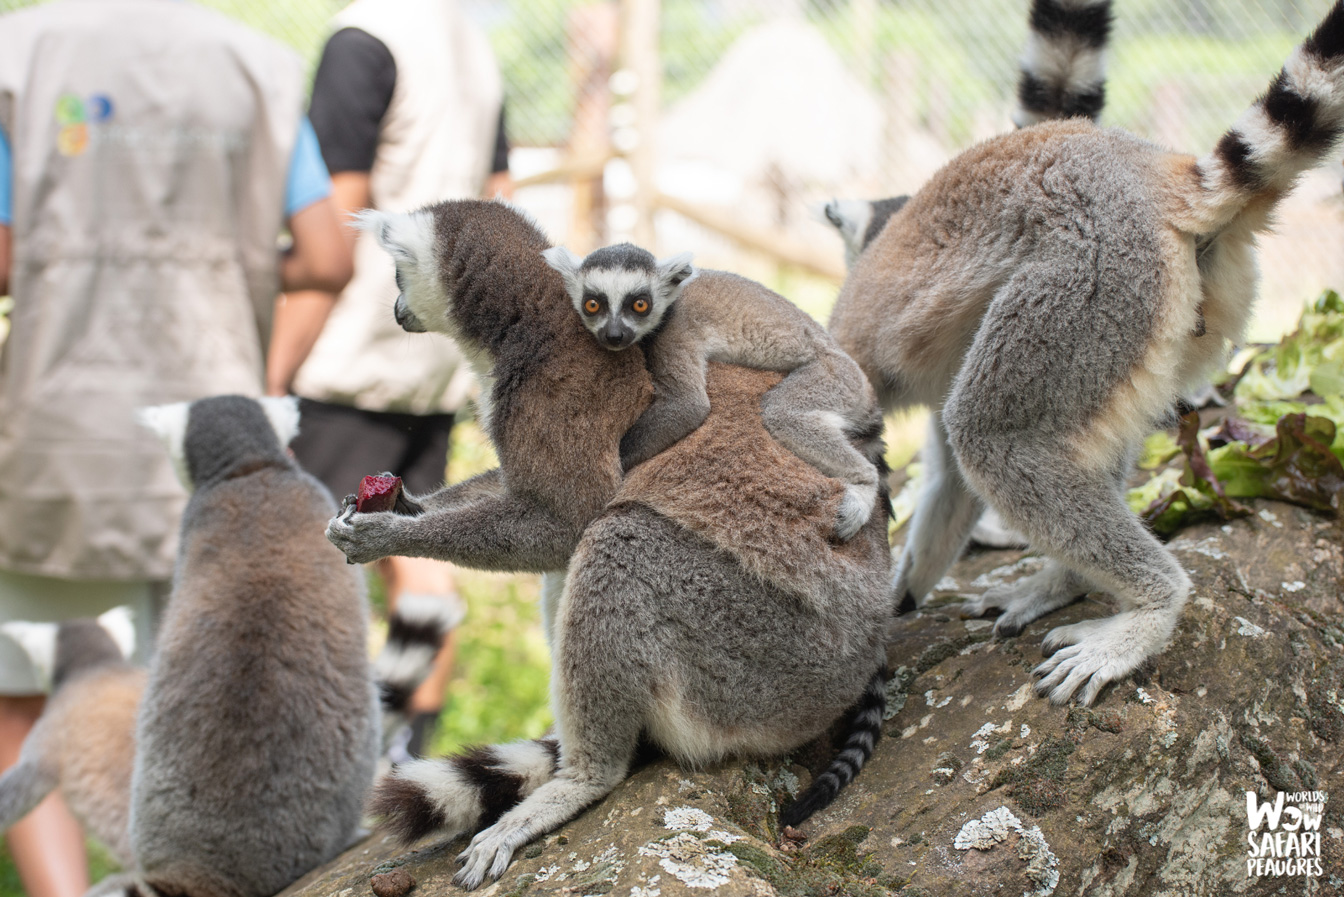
column 6, row 181
column 308, row 178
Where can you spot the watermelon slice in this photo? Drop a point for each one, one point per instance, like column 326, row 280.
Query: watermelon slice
column 377, row 493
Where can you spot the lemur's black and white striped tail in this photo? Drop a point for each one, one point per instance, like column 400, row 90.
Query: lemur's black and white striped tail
column 415, row 633
column 1293, row 127
column 1064, row 67
column 463, row 793
column 865, row 728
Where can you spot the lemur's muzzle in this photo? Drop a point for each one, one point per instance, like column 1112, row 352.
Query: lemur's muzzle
column 405, row 317
column 616, row 337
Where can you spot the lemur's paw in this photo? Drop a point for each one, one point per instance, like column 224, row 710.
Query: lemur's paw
column 855, row 509
column 1025, row 601
column 364, row 538
column 1085, row 657
column 488, row 855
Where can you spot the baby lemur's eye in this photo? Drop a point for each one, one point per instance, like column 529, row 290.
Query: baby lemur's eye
column 639, row 303
column 592, row 304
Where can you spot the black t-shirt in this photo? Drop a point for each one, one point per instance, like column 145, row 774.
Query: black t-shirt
column 351, row 92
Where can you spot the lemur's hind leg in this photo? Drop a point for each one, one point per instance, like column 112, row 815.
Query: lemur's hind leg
column 942, row 523
column 601, row 698
column 1043, row 592
column 1028, row 599
column 813, row 412
column 1081, row 521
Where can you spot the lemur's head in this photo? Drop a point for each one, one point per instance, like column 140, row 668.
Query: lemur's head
column 860, row 220
column 622, row 293
column 422, row 303
column 211, row 437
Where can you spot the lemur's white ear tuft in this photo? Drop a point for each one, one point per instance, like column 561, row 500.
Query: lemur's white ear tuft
column 38, row 641
column 567, row 263
column 676, row 271
column 120, row 624
column 169, row 423
column 283, row 413
column 407, row 236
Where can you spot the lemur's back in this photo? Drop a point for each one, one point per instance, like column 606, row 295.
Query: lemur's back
column 733, row 315
column 1058, row 195
column 257, row 731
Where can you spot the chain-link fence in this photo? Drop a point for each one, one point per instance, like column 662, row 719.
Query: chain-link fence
column 728, row 122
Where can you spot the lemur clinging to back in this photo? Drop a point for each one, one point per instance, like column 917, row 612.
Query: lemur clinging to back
column 624, row 296
column 1063, row 75
column 662, row 631
column 1044, row 294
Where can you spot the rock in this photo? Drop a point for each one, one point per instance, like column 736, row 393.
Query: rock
column 981, row 788
column 392, row 884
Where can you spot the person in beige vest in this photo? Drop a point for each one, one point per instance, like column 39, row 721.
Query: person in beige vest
column 407, row 105
column 150, row 154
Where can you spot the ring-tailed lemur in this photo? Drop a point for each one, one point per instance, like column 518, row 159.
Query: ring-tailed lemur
column 625, row 296
column 1063, row 75
column 84, row 741
column 659, row 632
column 1044, row 294
column 259, row 714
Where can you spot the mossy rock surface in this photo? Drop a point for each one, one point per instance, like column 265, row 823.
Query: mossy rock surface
column 1142, row 795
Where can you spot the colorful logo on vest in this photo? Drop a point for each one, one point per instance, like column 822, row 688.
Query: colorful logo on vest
column 74, row 115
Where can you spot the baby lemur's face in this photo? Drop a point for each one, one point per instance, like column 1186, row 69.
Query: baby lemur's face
column 622, row 293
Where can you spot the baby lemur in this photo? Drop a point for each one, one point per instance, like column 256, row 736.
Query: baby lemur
column 624, row 296
column 1049, row 294
column 662, row 631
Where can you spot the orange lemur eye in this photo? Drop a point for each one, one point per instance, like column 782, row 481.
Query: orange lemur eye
column 640, row 306
column 592, row 306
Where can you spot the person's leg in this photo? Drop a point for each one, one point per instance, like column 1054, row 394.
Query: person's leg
column 48, row 844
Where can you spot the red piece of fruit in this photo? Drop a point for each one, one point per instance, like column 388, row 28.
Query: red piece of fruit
column 377, row 494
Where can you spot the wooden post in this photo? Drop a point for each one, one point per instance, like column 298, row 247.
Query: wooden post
column 639, row 54
column 592, row 41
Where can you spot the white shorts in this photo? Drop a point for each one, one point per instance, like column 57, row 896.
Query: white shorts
column 46, row 599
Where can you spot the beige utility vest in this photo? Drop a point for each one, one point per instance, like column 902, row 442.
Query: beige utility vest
column 151, row 143
column 437, row 142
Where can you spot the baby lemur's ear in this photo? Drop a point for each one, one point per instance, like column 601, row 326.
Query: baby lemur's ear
column 568, row 264
column 407, row 236
column 675, row 272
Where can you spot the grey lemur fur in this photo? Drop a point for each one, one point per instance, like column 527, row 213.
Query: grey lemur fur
column 624, row 296
column 258, row 731
column 1063, row 75
column 658, row 632
column 84, row 740
column 1050, row 293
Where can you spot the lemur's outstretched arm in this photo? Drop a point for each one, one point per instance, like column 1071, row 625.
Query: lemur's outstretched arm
column 485, row 528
